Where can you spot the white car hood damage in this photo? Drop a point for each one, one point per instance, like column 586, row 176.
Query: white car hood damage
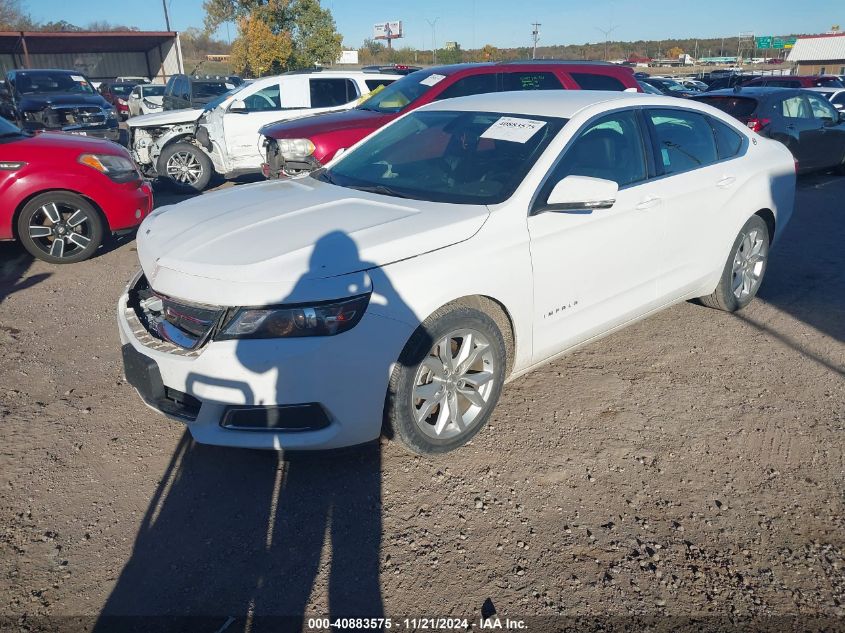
column 290, row 241
column 170, row 117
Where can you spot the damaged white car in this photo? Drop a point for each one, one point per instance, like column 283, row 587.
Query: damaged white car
column 187, row 147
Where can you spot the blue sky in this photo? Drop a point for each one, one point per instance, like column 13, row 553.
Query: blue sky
column 503, row 23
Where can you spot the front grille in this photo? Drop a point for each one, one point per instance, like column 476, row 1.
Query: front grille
column 59, row 117
column 169, row 324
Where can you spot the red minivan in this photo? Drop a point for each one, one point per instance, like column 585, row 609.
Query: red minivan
column 62, row 193
column 302, row 145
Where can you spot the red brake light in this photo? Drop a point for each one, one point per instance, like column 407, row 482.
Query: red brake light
column 755, row 125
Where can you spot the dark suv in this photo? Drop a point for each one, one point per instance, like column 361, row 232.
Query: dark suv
column 305, row 144
column 803, row 120
column 58, row 101
column 796, row 81
column 185, row 91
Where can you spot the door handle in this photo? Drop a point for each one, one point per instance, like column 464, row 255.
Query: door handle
column 726, row 181
column 648, row 202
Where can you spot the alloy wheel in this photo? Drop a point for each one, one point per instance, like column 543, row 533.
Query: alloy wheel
column 453, row 384
column 748, row 264
column 184, row 167
column 61, row 229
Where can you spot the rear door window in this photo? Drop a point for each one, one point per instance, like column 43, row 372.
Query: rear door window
column 589, row 81
column 795, row 108
column 685, row 140
column 332, row 92
column 530, row 81
column 472, row 85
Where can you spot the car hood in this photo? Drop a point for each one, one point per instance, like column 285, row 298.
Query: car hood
column 336, row 121
column 169, row 117
column 28, row 102
column 289, row 240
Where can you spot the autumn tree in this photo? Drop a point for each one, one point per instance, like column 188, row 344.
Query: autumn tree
column 13, row 17
column 257, row 50
column 309, row 27
column 489, row 53
column 675, row 52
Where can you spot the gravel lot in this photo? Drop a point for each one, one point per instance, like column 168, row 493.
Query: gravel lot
column 690, row 465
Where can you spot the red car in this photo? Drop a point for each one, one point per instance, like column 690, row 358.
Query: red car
column 305, row 144
column 795, row 81
column 117, row 94
column 62, row 193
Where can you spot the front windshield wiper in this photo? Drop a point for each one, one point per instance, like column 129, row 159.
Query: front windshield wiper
column 382, row 189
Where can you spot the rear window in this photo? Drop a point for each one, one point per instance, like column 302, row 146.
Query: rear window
column 738, row 107
column 587, row 81
column 530, row 81
column 331, row 92
column 372, row 84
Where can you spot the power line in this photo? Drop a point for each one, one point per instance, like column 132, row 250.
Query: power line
column 607, row 33
column 433, row 25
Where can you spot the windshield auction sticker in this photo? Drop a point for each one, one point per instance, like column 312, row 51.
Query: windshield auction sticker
column 512, row 129
column 433, row 79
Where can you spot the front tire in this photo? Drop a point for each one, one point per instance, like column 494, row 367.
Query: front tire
column 60, row 227
column 447, row 381
column 744, row 270
column 185, row 166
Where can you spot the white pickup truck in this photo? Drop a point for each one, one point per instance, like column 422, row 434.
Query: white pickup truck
column 188, row 146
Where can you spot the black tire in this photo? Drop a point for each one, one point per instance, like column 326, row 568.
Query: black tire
column 401, row 408
column 724, row 297
column 193, row 155
column 60, row 216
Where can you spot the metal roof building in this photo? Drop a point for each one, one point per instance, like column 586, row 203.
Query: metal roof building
column 99, row 55
column 819, row 54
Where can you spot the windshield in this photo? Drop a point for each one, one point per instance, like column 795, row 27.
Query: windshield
column 457, row 157
column 153, row 91
column 122, row 90
column 402, row 92
column 671, row 84
column 37, row 82
column 208, row 89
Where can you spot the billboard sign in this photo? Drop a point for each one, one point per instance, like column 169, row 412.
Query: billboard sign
column 387, row 30
column 763, row 42
column 348, row 57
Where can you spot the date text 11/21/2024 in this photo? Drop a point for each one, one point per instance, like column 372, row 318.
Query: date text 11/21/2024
column 415, row 624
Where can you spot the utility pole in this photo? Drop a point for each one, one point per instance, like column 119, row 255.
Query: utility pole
column 535, row 35
column 610, row 29
column 433, row 26
column 166, row 14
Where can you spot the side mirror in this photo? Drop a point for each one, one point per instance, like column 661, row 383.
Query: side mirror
column 238, row 106
column 581, row 194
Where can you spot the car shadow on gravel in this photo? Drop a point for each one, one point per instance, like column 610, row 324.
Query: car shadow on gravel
column 805, row 277
column 15, row 262
column 245, row 540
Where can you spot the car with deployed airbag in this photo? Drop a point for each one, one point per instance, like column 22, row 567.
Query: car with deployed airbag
column 468, row 242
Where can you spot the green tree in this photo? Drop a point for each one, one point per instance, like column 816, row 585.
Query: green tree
column 310, row 27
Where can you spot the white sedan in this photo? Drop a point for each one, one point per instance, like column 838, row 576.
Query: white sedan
column 145, row 99
column 464, row 244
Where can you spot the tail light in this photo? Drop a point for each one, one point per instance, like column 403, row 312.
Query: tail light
column 755, row 124
column 796, row 165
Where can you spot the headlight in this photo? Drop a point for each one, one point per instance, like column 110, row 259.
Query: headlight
column 151, row 104
column 111, row 114
column 295, row 148
column 118, row 168
column 325, row 319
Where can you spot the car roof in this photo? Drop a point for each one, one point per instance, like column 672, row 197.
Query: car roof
column 349, row 74
column 751, row 91
column 526, row 64
column 552, row 103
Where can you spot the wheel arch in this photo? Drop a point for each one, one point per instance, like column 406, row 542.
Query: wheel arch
column 19, row 208
column 769, row 218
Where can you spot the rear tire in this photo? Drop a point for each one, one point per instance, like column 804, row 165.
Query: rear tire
column 185, row 166
column 447, row 382
column 744, row 270
column 60, row 227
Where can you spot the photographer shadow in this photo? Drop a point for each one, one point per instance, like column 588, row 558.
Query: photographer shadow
column 253, row 540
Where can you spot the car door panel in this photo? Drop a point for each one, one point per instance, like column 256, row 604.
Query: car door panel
column 596, row 269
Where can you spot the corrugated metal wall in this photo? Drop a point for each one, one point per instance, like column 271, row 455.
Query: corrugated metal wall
column 99, row 66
